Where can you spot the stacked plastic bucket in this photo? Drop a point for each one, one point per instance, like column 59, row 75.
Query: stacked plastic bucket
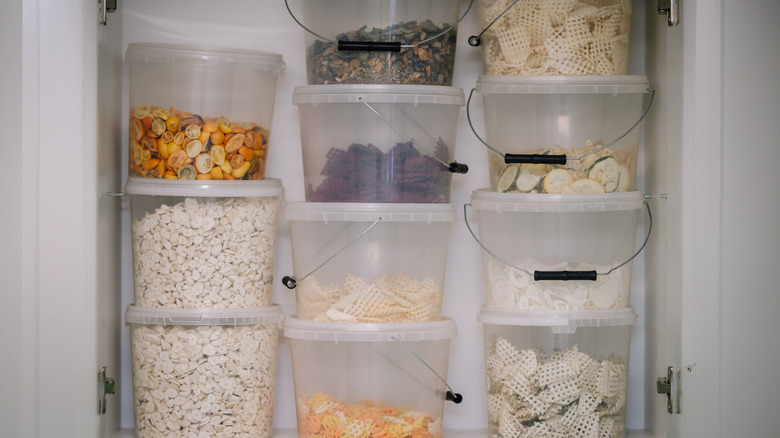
column 203, row 329
column 378, row 117
column 558, row 225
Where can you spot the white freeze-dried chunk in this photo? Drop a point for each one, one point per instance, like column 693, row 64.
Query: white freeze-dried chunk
column 207, row 381
column 212, row 253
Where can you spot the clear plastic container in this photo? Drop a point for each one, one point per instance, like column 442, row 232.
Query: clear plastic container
column 204, row 244
column 385, row 378
column 353, row 154
column 426, row 26
column 572, row 116
column 204, row 372
column 544, row 37
column 556, row 373
column 200, row 112
column 369, row 262
column 535, row 241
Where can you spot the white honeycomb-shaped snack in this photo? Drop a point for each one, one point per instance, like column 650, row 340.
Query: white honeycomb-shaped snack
column 509, row 426
column 587, row 404
column 562, row 392
column 515, row 44
column 578, row 33
column 587, row 427
column 505, row 350
column 556, row 370
column 371, row 303
column 572, row 62
column 538, row 405
column 517, row 384
column 557, row 6
column 496, row 404
column 537, row 24
column 356, row 429
column 354, row 285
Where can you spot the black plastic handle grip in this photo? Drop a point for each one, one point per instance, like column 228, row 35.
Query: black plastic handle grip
column 456, row 167
column 534, row 159
column 377, row 46
column 565, row 275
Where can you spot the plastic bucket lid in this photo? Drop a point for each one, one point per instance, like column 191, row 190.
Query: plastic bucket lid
column 194, row 317
column 559, row 321
column 266, row 188
column 489, row 200
column 377, row 93
column 207, row 57
column 627, row 84
column 370, row 332
column 364, row 212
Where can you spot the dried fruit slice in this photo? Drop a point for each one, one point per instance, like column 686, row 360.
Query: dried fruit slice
column 203, row 163
column 187, row 172
column 506, row 181
column 605, row 171
column 217, row 154
column 141, row 111
column 158, row 126
column 529, row 177
column 556, row 180
column 586, row 185
column 194, row 148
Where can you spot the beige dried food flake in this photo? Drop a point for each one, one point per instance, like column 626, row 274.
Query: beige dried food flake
column 566, row 394
column 206, row 254
column 204, row 381
column 556, row 37
column 392, row 297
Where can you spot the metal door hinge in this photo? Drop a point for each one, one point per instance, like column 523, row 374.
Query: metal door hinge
column 106, row 385
column 105, row 6
column 670, row 385
column 670, row 8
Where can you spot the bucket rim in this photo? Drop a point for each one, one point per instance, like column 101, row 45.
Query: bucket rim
column 365, row 212
column 571, row 319
column 489, row 200
column 173, row 53
column 443, row 329
column 198, row 317
column 586, row 84
column 378, row 93
column 265, row 188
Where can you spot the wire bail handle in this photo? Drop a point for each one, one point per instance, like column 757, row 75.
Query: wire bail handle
column 384, row 46
column 561, row 275
column 453, row 167
column 451, row 395
column 474, row 39
column 552, row 159
column 291, row 282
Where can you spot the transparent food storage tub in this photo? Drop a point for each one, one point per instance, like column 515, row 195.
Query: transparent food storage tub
column 557, row 252
column 358, row 379
column 369, row 262
column 563, row 134
column 203, row 244
column 378, row 143
column 199, row 112
column 550, row 37
column 380, row 41
column 206, row 372
column 556, row 373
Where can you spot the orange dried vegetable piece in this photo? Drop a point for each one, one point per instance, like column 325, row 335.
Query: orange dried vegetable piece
column 311, row 424
column 332, row 432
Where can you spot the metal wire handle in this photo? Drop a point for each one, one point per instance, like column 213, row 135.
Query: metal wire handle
column 474, row 39
column 403, row 46
column 290, row 281
column 451, row 394
column 533, row 274
column 453, row 167
column 503, row 155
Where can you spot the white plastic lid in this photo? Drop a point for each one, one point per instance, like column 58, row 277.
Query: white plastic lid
column 369, row 332
column 378, row 93
column 602, row 84
column 490, row 200
column 559, row 321
column 164, row 316
column 206, row 57
column 369, row 212
column 266, row 188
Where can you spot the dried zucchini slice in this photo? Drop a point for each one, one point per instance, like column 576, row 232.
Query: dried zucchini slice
column 605, row 171
column 556, row 180
column 506, row 181
column 586, row 185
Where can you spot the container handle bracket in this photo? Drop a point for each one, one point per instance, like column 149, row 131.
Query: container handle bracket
column 290, row 282
column 552, row 159
column 560, row 275
column 474, row 40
